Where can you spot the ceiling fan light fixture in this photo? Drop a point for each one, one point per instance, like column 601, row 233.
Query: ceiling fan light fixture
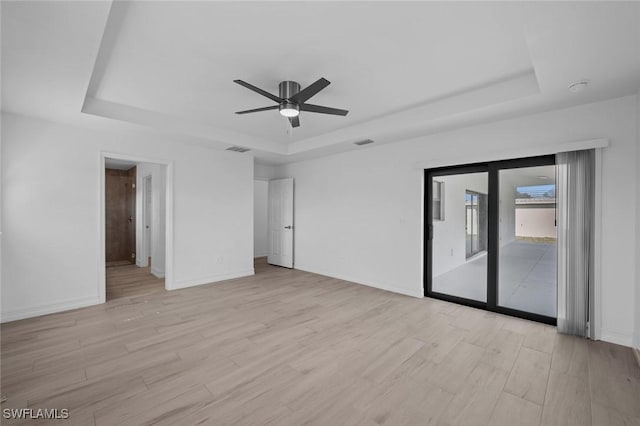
column 289, row 110
column 292, row 100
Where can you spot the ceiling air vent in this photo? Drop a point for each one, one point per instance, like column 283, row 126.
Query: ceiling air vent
column 238, row 149
column 364, row 142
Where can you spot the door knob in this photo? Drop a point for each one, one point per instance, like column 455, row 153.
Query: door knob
column 287, row 227
column 130, row 219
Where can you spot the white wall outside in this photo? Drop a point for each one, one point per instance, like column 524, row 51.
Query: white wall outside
column 51, row 212
column 260, row 218
column 359, row 214
column 536, row 222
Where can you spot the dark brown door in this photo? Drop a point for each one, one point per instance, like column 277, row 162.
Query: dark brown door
column 120, row 193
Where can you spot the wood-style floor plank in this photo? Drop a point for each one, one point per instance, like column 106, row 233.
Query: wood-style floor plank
column 529, row 375
column 287, row 347
column 515, row 411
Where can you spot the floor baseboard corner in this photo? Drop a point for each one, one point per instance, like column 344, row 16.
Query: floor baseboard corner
column 636, row 352
column 53, row 308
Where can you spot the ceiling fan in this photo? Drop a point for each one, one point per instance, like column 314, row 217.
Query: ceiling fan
column 292, row 100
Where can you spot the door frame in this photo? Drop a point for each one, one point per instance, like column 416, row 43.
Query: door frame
column 481, row 246
column 492, row 168
column 145, row 250
column 291, row 227
column 102, row 276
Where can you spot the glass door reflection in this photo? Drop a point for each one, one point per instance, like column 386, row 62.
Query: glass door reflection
column 475, row 223
column 527, row 264
column 460, row 229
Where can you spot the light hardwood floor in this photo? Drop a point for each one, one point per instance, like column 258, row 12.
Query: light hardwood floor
column 286, row 347
column 131, row 281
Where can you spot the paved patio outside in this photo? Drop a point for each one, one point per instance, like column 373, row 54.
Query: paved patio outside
column 527, row 278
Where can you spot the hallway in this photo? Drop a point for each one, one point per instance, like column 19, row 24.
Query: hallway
column 131, row 281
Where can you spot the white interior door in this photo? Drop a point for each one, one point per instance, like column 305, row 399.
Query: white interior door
column 148, row 209
column 281, row 222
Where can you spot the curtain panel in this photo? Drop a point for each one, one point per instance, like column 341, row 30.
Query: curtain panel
column 575, row 193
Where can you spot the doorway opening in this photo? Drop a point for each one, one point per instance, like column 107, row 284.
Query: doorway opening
column 273, row 227
column 475, row 223
column 281, row 226
column 120, row 194
column 135, row 227
column 491, row 236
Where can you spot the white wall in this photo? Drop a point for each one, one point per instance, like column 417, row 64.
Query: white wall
column 637, row 290
column 51, row 212
column 260, row 217
column 359, row 214
column 264, row 171
column 157, row 172
column 159, row 222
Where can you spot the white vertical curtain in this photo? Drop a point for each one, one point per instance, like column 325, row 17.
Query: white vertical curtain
column 575, row 187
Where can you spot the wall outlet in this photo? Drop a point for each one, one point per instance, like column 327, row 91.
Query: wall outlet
column 219, row 260
column 451, row 252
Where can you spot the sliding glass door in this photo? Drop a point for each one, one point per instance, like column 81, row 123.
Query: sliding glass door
column 527, row 265
column 457, row 234
column 490, row 236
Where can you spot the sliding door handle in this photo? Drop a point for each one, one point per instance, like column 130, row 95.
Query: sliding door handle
column 287, row 227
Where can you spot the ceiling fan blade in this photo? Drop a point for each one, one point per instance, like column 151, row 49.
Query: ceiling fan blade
column 258, row 90
column 295, row 121
column 258, row 109
column 310, row 91
column 323, row 109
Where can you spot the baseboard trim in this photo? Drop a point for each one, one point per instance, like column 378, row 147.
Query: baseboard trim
column 158, row 273
column 378, row 285
column 211, row 279
column 616, row 337
column 636, row 352
column 52, row 308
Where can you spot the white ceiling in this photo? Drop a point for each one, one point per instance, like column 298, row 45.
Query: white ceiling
column 402, row 68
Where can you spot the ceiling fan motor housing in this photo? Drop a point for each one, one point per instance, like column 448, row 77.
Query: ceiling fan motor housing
column 287, row 90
